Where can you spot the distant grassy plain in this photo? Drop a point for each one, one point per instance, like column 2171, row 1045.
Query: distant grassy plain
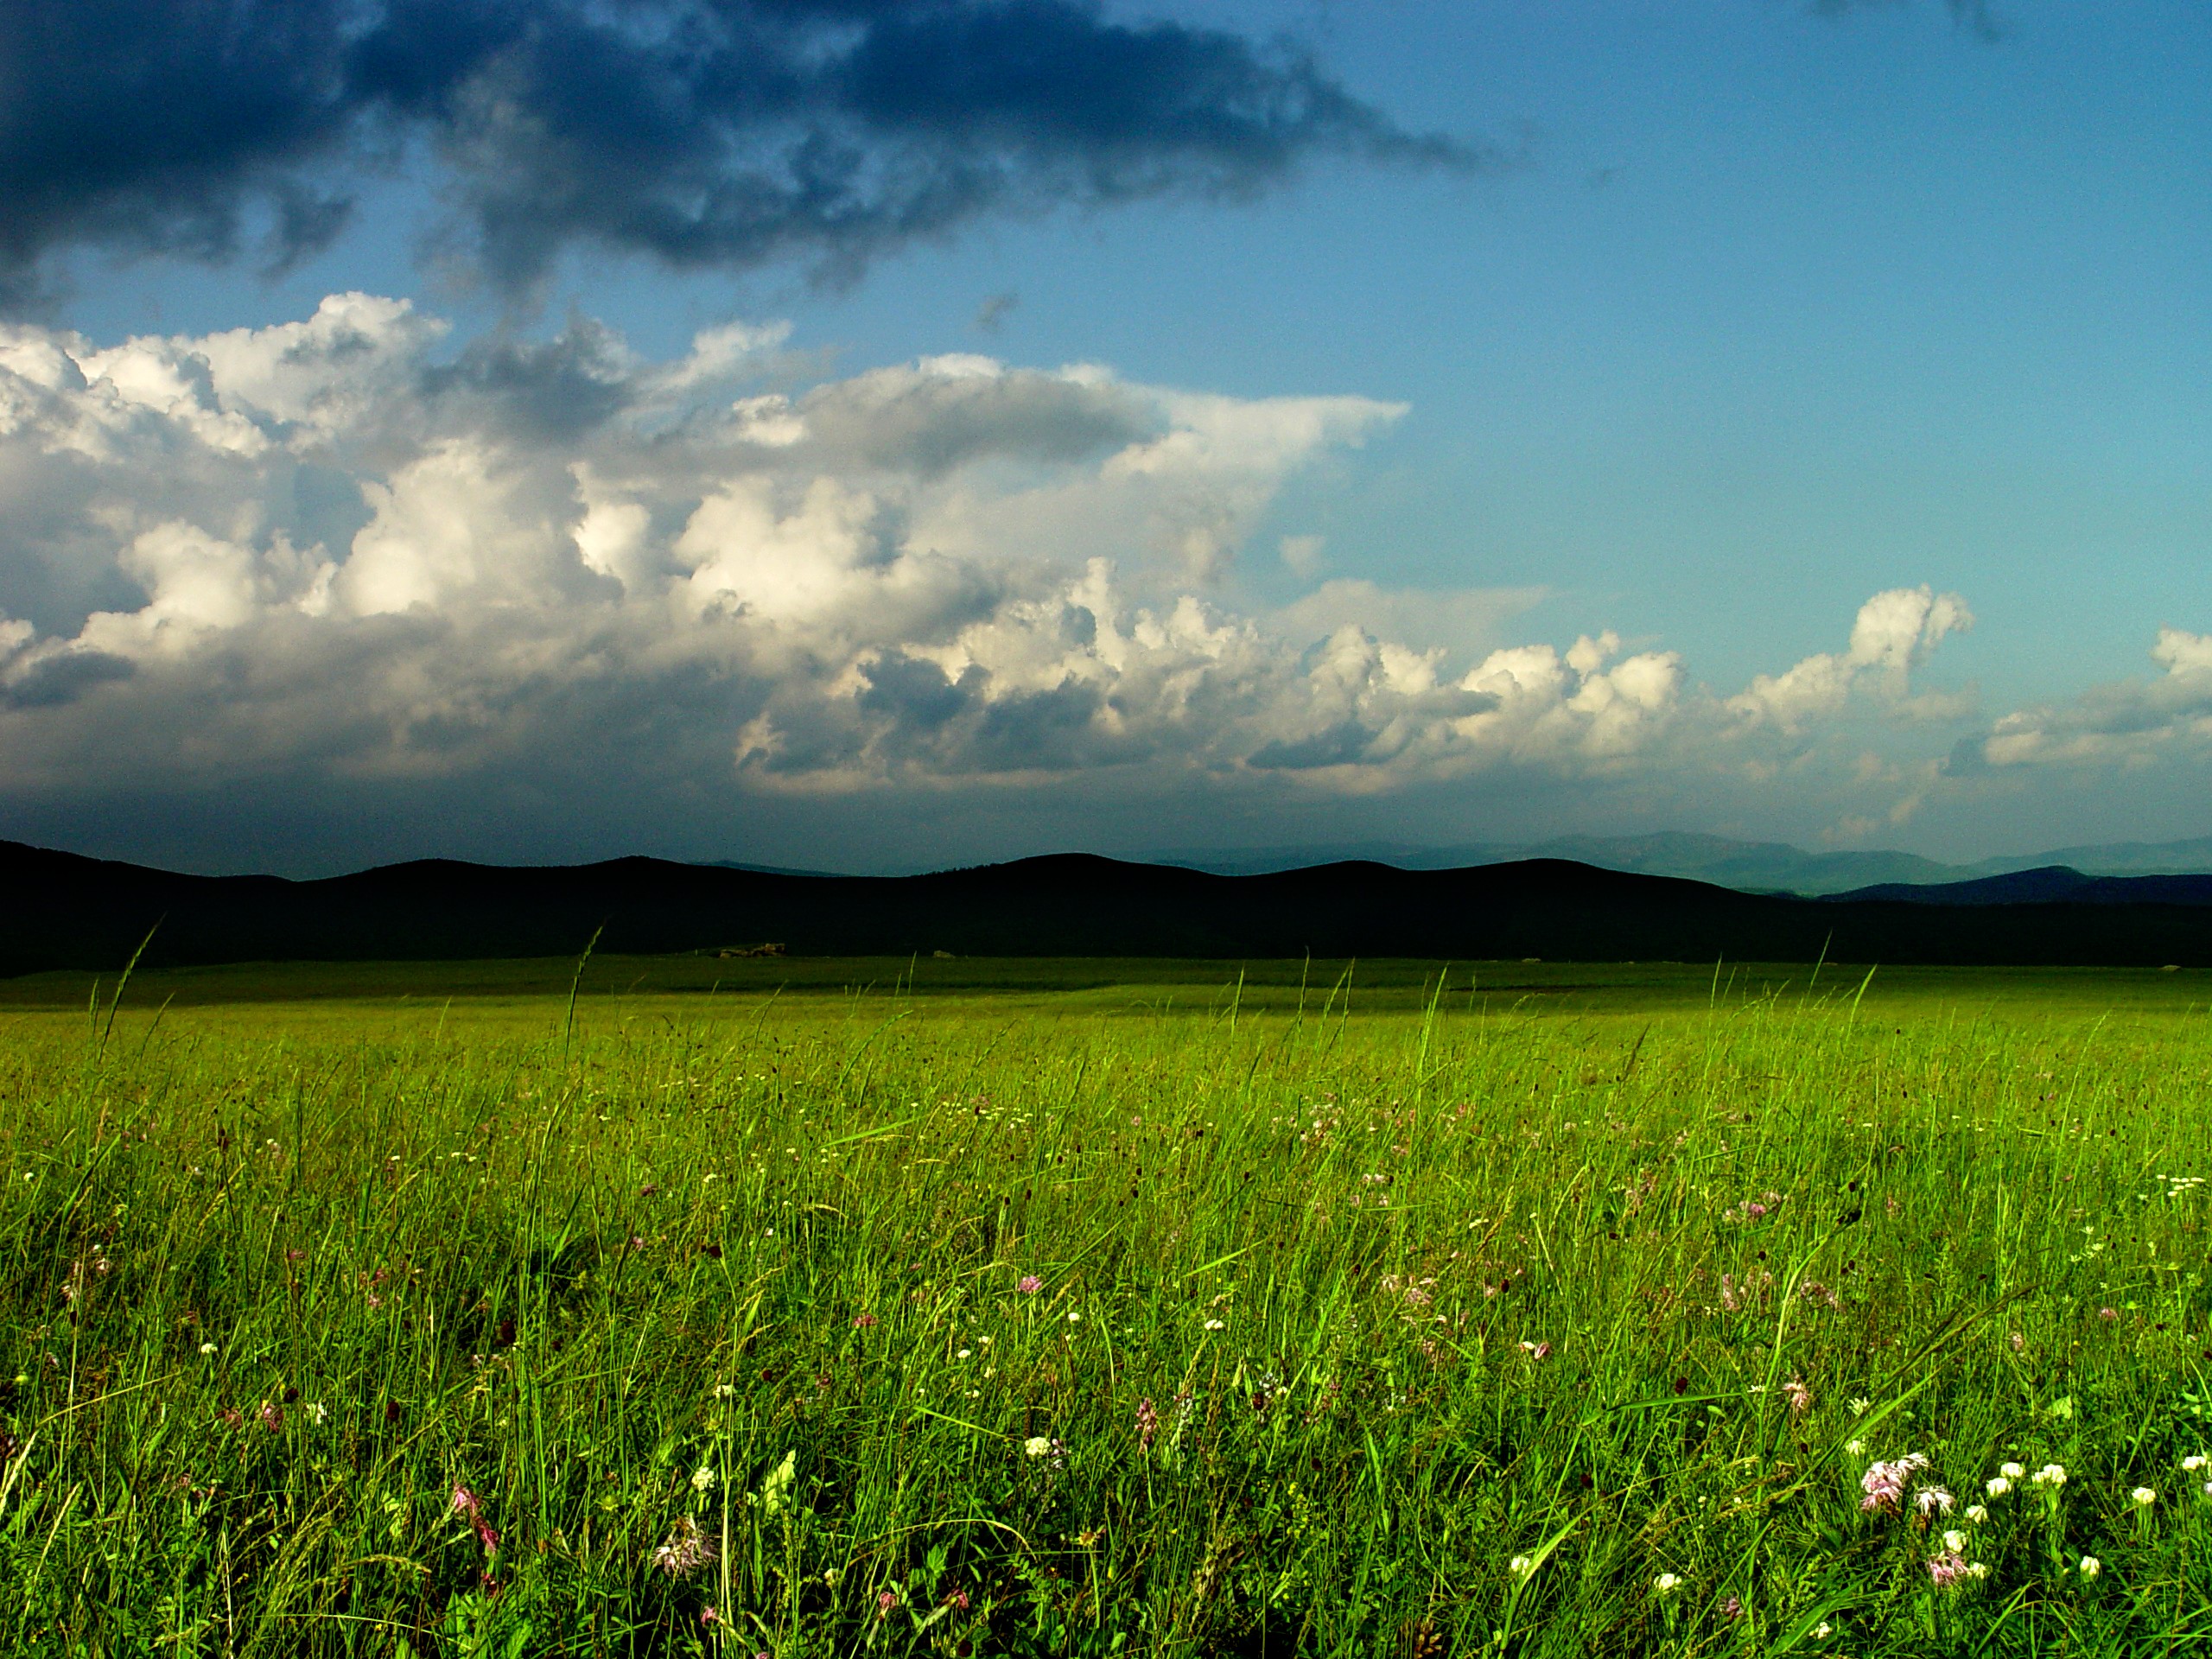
column 812, row 1307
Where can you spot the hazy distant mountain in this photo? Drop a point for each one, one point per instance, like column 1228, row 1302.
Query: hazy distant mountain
column 2116, row 858
column 1747, row 866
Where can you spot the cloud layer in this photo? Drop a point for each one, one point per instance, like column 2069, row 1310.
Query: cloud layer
column 335, row 554
column 700, row 132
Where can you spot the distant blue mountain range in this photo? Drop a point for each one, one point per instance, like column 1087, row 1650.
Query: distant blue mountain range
column 1760, row 865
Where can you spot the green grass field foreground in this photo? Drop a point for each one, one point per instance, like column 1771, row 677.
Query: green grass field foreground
column 1056, row 1309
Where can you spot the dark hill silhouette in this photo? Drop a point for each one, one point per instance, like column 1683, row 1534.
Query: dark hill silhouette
column 61, row 911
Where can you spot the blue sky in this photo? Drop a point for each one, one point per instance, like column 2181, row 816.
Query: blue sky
column 1701, row 326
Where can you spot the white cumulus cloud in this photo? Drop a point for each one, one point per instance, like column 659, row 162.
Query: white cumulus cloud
column 333, row 549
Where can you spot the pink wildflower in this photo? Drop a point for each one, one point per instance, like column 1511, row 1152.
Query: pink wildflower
column 1934, row 1500
column 1885, row 1484
column 2107, row 1315
column 1946, row 1569
column 1147, row 1423
column 1030, row 1285
column 864, row 1322
column 885, row 1602
column 685, row 1550
column 466, row 1504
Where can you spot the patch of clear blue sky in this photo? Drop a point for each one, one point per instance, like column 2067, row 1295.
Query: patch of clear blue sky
column 1773, row 309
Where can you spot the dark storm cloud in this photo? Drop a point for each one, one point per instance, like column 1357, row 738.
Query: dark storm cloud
column 702, row 132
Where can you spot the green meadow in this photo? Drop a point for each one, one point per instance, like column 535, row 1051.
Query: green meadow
column 932, row 1306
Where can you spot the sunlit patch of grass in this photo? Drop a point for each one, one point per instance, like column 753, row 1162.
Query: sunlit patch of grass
column 869, row 1323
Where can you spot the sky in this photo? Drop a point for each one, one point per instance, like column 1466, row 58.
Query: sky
column 879, row 434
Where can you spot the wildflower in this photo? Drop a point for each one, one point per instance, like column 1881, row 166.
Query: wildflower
column 2106, row 1314
column 723, row 1390
column 864, row 1321
column 272, row 1417
column 1997, row 1486
column 206, row 1348
column 1030, row 1285
column 1934, row 1500
column 319, row 1412
column 965, row 1353
column 685, row 1550
column 2013, row 1470
column 1799, row 1397
column 2091, row 1567
column 1977, row 1513
column 1147, row 1423
column 1859, row 1406
column 1946, row 1569
column 1521, row 1567
column 1537, row 1350
column 1978, row 1570
column 885, row 1601
column 1037, row 1445
column 2193, row 1463
column 470, row 1507
column 2019, row 1342
column 1823, row 1631
column 1855, row 1449
column 703, row 1478
column 1213, row 1325
column 2051, row 1474
column 2144, row 1497
column 1666, row 1582
column 1733, row 1608
column 1885, row 1484
column 1074, row 1318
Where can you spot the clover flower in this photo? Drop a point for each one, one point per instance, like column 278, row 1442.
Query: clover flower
column 1996, row 1486
column 1037, row 1445
column 1521, row 1567
column 1955, row 1541
column 2144, row 1497
column 2193, row 1462
column 2051, row 1474
column 1977, row 1513
column 2091, row 1567
column 1030, row 1285
column 1667, row 1582
column 2013, row 1470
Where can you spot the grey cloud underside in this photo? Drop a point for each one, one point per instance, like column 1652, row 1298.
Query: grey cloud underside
column 702, row 132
